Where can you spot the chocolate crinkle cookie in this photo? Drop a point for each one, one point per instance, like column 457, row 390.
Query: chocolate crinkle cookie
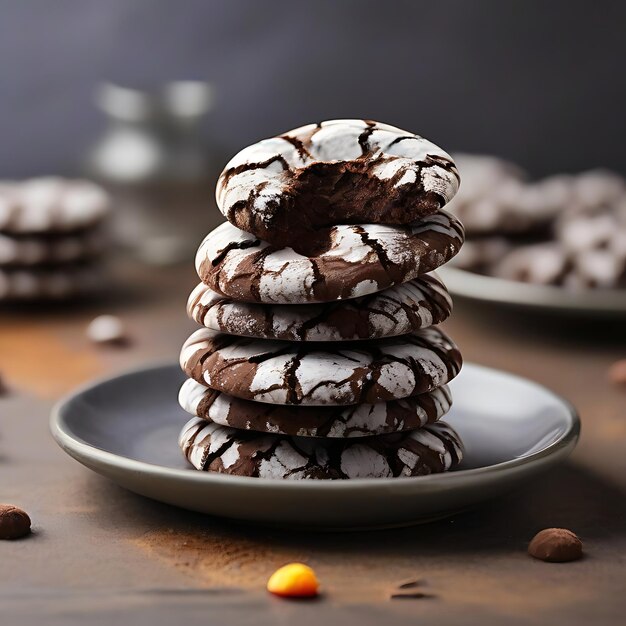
column 320, row 355
column 321, row 374
column 52, row 238
column 352, row 261
column 428, row 450
column 285, row 189
column 354, row 420
column 398, row 310
column 564, row 230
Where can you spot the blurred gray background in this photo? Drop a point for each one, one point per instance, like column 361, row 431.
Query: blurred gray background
column 540, row 82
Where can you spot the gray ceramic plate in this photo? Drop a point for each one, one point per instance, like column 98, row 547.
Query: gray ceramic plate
column 590, row 302
column 126, row 429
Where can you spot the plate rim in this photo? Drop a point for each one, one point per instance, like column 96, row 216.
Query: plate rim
column 462, row 282
column 69, row 443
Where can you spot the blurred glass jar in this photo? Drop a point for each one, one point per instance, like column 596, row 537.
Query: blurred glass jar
column 158, row 168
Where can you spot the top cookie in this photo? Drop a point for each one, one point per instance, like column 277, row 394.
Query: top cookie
column 284, row 189
column 43, row 205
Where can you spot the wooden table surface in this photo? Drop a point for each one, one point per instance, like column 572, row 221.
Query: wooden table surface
column 100, row 554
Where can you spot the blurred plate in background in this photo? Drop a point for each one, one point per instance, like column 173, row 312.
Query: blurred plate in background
column 590, row 302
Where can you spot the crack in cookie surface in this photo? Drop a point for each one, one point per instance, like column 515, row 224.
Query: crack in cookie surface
column 285, row 189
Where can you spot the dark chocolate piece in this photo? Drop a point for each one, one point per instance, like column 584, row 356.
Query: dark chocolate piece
column 556, row 545
column 14, row 523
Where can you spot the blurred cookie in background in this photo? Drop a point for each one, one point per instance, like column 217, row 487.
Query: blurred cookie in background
column 52, row 238
column 567, row 230
column 477, row 201
column 594, row 226
column 26, row 250
column 482, row 254
column 541, row 263
column 598, row 188
column 597, row 269
column 51, row 205
column 550, row 263
column 495, row 197
column 49, row 282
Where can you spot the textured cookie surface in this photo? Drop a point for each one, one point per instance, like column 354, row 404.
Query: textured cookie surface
column 429, row 450
column 318, row 374
column 285, row 188
column 398, row 310
column 357, row 420
column 42, row 205
column 356, row 260
column 41, row 249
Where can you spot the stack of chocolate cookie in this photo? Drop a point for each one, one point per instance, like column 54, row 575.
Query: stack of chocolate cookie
column 50, row 237
column 319, row 355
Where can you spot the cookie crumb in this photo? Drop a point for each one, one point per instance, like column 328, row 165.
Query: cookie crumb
column 408, row 590
column 617, row 373
column 14, row 523
column 107, row 329
column 556, row 545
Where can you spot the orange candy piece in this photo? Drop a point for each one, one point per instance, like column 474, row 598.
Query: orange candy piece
column 294, row 580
